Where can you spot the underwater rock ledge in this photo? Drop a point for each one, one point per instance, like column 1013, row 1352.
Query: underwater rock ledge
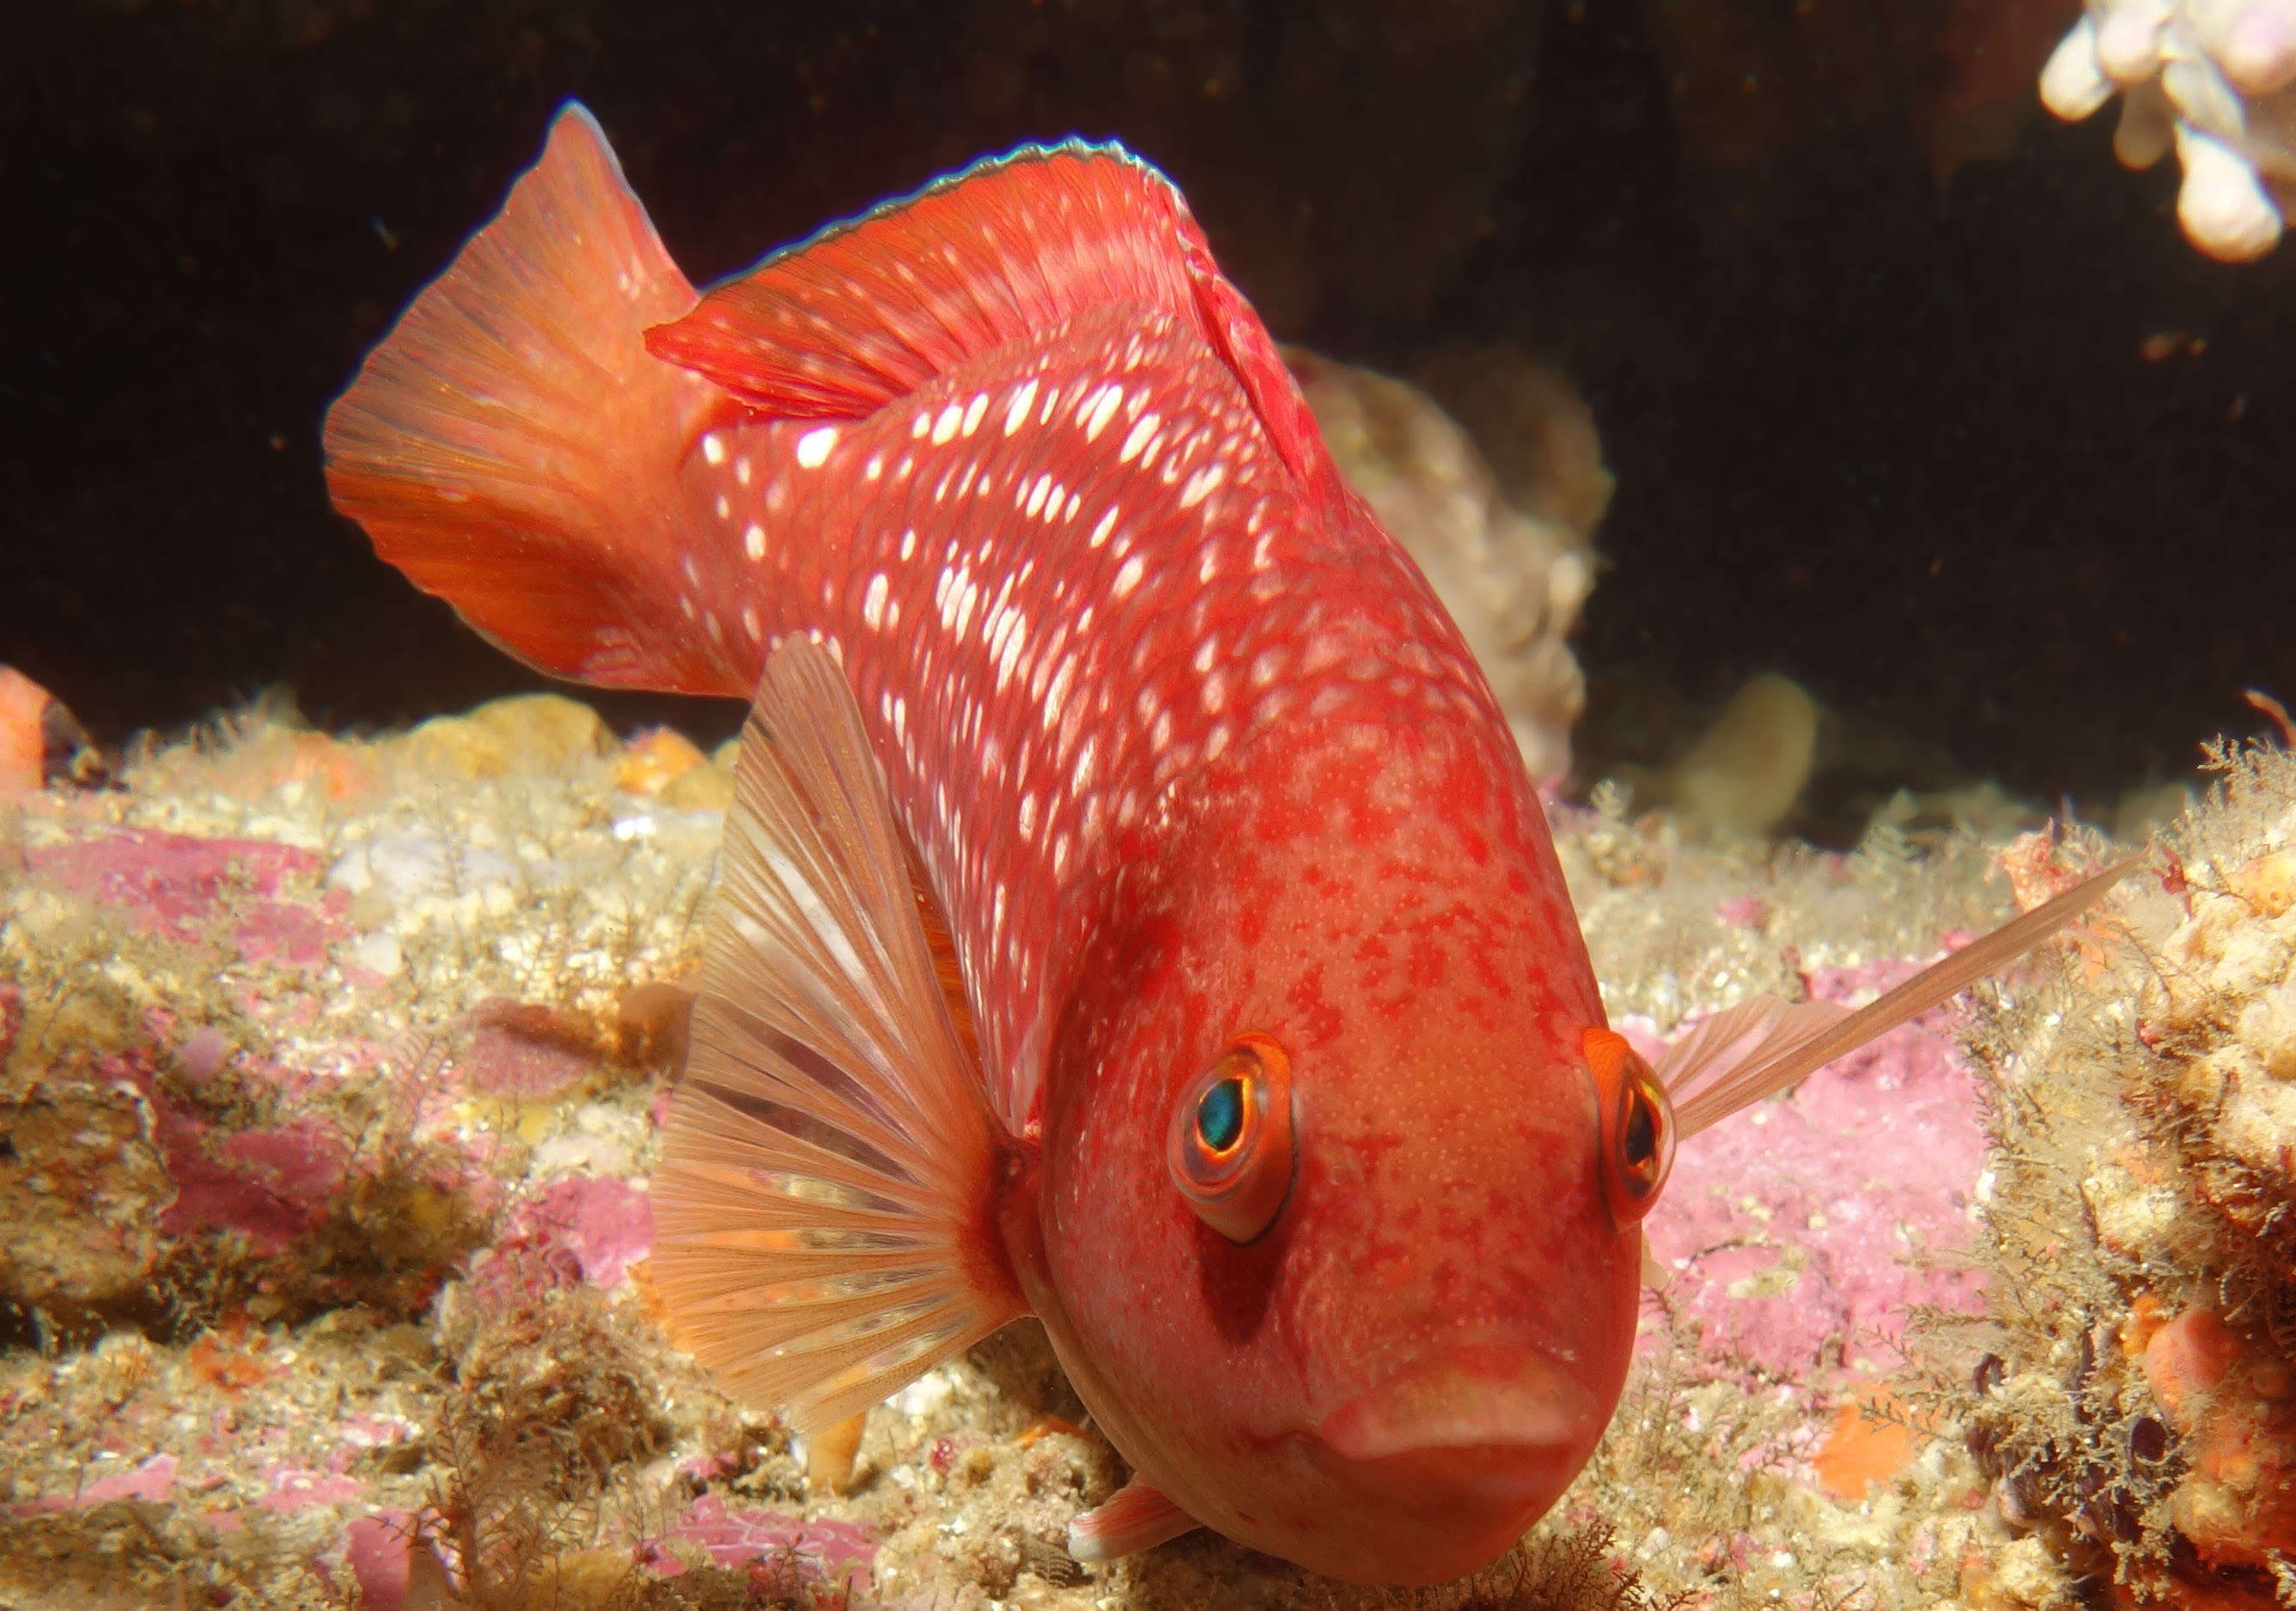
column 334, row 1069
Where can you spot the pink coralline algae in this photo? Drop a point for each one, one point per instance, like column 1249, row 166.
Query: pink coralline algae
column 294, row 1488
column 1802, row 1231
column 604, row 1226
column 375, row 1551
column 272, row 1185
column 153, row 1479
column 514, row 1050
column 173, row 884
column 823, row 1552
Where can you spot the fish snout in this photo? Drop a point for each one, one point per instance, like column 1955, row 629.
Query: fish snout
column 1489, row 1427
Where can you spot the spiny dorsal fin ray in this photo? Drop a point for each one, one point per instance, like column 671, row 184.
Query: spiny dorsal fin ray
column 1713, row 1071
column 867, row 311
column 826, row 1230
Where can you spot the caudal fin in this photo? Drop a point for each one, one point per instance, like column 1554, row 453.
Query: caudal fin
column 512, row 446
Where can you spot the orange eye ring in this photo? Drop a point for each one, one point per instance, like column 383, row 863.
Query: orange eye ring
column 1231, row 1144
column 1636, row 1140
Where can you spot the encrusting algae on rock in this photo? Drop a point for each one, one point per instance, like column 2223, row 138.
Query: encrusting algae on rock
column 370, row 1317
column 2136, row 1402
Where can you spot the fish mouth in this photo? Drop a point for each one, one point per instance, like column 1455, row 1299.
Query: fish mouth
column 1492, row 1427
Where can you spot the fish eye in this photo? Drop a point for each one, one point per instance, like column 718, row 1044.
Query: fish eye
column 1231, row 1150
column 1636, row 1138
column 1219, row 1116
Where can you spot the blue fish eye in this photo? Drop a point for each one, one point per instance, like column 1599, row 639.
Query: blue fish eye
column 1219, row 1114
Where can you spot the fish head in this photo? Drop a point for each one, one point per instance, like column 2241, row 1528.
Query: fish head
column 1342, row 1261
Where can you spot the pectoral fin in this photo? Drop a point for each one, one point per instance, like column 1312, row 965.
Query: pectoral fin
column 1139, row 1517
column 825, row 1201
column 1760, row 1046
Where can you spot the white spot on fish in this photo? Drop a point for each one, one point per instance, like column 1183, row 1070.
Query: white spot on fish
column 1200, row 485
column 945, row 427
column 741, row 470
column 872, row 602
column 713, row 449
column 1076, row 502
column 1097, row 420
column 1057, row 695
column 1100, row 532
column 753, row 542
column 1037, row 495
column 921, row 424
column 972, row 411
column 1008, row 655
column 1128, row 577
column 875, row 468
column 1028, row 816
column 725, row 507
column 1018, row 410
column 1143, row 428
column 813, row 447
column 692, row 577
column 908, row 545
column 749, row 624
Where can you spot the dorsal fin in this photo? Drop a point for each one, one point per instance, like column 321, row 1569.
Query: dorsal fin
column 864, row 311
column 825, row 1203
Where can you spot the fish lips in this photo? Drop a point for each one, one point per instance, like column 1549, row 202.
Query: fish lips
column 1493, row 1429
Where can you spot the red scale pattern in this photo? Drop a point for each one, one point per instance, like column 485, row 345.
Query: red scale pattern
column 1076, row 573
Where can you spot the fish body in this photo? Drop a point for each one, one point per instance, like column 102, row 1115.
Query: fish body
column 1242, row 1031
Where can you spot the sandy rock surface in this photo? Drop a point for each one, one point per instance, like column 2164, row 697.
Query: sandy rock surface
column 334, row 1075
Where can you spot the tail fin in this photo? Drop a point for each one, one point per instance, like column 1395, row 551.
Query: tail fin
column 512, row 448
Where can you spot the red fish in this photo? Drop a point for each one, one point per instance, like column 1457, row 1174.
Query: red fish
column 1136, row 912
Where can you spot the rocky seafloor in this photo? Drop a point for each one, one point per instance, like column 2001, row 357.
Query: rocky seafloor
column 333, row 1069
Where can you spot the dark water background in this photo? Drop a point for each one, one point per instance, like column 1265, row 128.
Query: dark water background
column 1881, row 426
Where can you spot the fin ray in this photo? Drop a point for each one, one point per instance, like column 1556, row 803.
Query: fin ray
column 512, row 445
column 1713, row 1072
column 864, row 311
column 1138, row 1516
column 825, row 1064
